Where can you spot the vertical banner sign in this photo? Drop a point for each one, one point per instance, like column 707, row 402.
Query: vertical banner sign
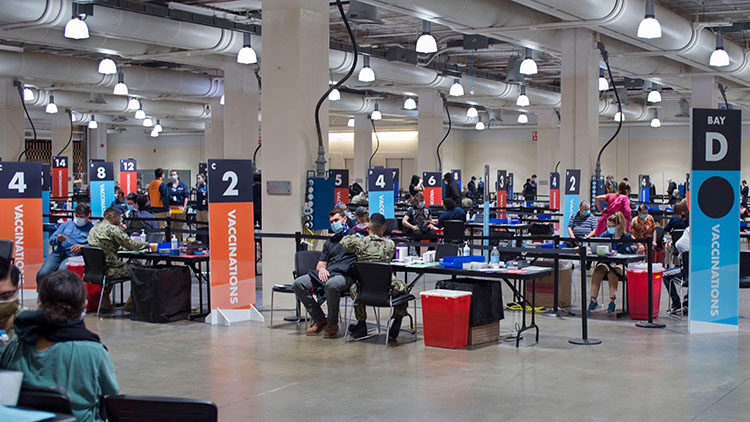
column 502, row 192
column 46, row 179
column 510, row 186
column 572, row 195
column 554, row 191
column 457, row 177
column 714, row 223
column 380, row 191
column 60, row 178
column 644, row 188
column 231, row 234
column 340, row 185
column 687, row 188
column 203, row 168
column 128, row 176
column 395, row 183
column 101, row 186
column 433, row 188
column 21, row 214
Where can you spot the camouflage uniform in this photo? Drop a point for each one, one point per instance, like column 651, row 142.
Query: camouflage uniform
column 374, row 248
column 112, row 238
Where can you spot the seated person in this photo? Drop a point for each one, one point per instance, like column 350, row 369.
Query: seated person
column 375, row 248
column 363, row 220
column 55, row 351
column 643, row 226
column 10, row 307
column 466, row 202
column 583, row 223
column 674, row 197
column 360, row 199
column 355, row 189
column 417, row 221
column 332, row 273
column 67, row 240
column 343, row 207
column 452, row 212
column 137, row 206
column 110, row 236
column 682, row 245
column 679, row 221
column 119, row 201
column 615, row 230
column 77, row 186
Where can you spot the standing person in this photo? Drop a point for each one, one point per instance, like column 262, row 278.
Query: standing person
column 528, row 192
column 533, row 184
column 139, row 185
column 744, row 191
column 610, row 186
column 671, row 186
column 480, row 190
column 67, row 240
column 616, row 202
column 472, row 188
column 158, row 195
column 415, row 186
column 201, row 207
column 452, row 190
column 616, row 226
column 354, row 190
column 179, row 194
column 10, row 307
column 332, row 273
column 643, row 226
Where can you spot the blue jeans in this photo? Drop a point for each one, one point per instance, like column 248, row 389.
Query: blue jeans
column 54, row 261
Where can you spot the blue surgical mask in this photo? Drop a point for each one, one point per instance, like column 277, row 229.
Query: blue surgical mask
column 79, row 221
column 586, row 213
column 421, row 204
column 611, row 230
column 337, row 226
column 643, row 216
column 131, row 207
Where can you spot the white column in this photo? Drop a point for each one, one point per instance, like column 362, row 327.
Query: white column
column 547, row 146
column 295, row 75
column 213, row 140
column 705, row 92
column 430, row 128
column 240, row 110
column 98, row 144
column 12, row 121
column 60, row 136
column 362, row 148
column 579, row 126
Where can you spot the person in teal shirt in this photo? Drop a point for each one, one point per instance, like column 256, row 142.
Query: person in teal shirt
column 55, row 351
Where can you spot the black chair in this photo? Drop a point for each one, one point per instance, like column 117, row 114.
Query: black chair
column 304, row 261
column 443, row 250
column 744, row 269
column 6, row 250
column 45, row 400
column 391, row 226
column 454, row 231
column 130, row 408
column 96, row 272
column 374, row 289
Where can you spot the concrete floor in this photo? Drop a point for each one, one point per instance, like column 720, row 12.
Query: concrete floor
column 253, row 372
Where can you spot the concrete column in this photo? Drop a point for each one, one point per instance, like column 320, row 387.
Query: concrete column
column 362, row 148
column 12, row 121
column 705, row 92
column 295, row 75
column 213, row 140
column 579, row 126
column 547, row 146
column 240, row 110
column 98, row 144
column 60, row 135
column 430, row 130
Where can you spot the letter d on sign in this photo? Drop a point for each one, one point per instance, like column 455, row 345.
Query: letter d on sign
column 710, row 138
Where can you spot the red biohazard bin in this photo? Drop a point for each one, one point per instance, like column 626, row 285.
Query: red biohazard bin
column 92, row 290
column 638, row 289
column 445, row 314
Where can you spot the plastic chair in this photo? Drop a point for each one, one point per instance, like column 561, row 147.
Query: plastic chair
column 374, row 289
column 130, row 408
column 45, row 400
column 96, row 271
column 6, row 250
column 454, row 231
column 304, row 261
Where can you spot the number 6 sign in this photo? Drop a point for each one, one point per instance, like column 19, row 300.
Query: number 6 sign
column 433, row 188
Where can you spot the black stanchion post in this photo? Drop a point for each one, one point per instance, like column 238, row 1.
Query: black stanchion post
column 557, row 275
column 168, row 230
column 297, row 241
column 650, row 323
column 584, row 340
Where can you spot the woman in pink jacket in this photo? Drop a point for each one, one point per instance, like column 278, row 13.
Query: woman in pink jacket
column 616, row 202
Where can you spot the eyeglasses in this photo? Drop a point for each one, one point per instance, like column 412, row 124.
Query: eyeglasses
column 10, row 294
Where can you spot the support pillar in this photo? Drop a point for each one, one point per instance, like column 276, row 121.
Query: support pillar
column 547, row 146
column 579, row 126
column 12, row 121
column 430, row 130
column 213, row 141
column 362, row 147
column 295, row 75
column 98, row 144
column 60, row 135
column 240, row 110
column 705, row 92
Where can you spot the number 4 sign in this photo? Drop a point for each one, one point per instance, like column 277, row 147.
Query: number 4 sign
column 380, row 191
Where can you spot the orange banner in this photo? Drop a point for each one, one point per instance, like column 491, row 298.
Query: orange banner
column 128, row 180
column 22, row 219
column 502, row 202
column 232, row 234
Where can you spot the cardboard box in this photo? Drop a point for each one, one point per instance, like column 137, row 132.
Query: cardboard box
column 481, row 334
column 545, row 286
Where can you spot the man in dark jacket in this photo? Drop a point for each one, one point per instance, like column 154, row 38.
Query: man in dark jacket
column 451, row 188
column 472, row 187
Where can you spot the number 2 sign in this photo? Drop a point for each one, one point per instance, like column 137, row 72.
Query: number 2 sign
column 572, row 194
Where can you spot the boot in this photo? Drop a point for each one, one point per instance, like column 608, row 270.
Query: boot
column 316, row 328
column 358, row 330
column 395, row 327
column 128, row 304
column 106, row 305
column 331, row 331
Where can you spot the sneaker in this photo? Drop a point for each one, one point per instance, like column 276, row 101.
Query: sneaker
column 358, row 330
column 395, row 327
column 331, row 331
column 592, row 305
column 611, row 307
column 675, row 309
column 316, row 328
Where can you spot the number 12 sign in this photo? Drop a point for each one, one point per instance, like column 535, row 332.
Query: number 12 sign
column 128, row 175
column 380, row 188
column 21, row 213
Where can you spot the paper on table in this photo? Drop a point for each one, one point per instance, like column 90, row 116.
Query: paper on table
column 23, row 415
column 535, row 268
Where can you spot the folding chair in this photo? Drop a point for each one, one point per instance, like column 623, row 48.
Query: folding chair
column 96, row 272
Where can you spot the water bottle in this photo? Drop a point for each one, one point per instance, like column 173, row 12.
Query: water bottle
column 467, row 249
column 143, row 236
column 495, row 257
column 175, row 243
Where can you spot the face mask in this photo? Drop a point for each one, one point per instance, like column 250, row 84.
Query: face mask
column 611, row 230
column 337, row 226
column 8, row 308
column 174, row 177
column 131, row 207
column 199, row 181
column 586, row 213
column 421, row 204
column 79, row 221
column 643, row 216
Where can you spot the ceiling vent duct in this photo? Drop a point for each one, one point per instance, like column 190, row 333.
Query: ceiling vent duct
column 514, row 74
column 363, row 13
column 96, row 99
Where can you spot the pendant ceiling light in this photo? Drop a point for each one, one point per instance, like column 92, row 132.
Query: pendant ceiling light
column 528, row 65
column 366, row 74
column 649, row 28
column 426, row 43
column 107, row 66
column 719, row 57
column 457, row 89
column 376, row 114
column 246, row 55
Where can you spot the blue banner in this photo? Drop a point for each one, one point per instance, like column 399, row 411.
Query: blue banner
column 380, row 191
column 102, row 196
column 571, row 198
column 644, row 188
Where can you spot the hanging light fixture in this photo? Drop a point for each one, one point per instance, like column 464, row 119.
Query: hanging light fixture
column 528, row 65
column 107, row 66
column 72, row 116
column 158, row 127
column 426, row 43
column 92, row 122
column 246, row 55
column 654, row 96
column 51, row 107
column 603, row 82
column 472, row 112
column 350, row 122
column 148, row 122
column 376, row 114
column 120, row 88
column 334, row 95
column 410, row 103
column 366, row 74
column 140, row 114
column 649, row 28
column 221, row 100
column 619, row 117
column 523, row 99
column 76, row 28
column 655, row 122
column 154, row 133
column 719, row 57
column 479, row 125
column 523, row 118
column 457, row 89
column 133, row 103
column 28, row 94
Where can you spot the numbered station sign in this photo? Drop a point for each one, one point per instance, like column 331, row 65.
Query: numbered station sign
column 21, row 214
column 502, row 192
column 395, row 183
column 714, row 227
column 457, row 177
column 340, row 185
column 46, row 182
column 380, row 191
column 554, row 191
column 60, row 178
column 433, row 188
column 203, row 168
column 101, row 186
column 510, row 185
column 231, row 234
column 644, row 188
column 128, row 176
column 572, row 196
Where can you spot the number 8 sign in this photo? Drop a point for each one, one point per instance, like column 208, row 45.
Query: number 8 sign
column 101, row 186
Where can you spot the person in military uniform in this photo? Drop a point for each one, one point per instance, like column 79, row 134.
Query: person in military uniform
column 110, row 236
column 374, row 248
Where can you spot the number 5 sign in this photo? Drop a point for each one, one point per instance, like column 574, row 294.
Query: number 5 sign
column 572, row 194
column 21, row 213
column 340, row 185
column 231, row 234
